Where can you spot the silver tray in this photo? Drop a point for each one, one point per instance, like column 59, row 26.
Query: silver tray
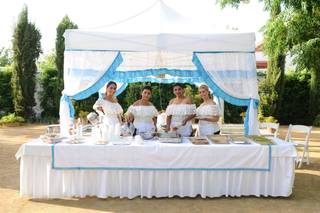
column 170, row 140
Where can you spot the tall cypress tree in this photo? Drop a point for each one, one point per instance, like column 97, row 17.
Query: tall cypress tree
column 65, row 23
column 26, row 50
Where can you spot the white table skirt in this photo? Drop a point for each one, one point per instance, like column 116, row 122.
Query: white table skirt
column 39, row 180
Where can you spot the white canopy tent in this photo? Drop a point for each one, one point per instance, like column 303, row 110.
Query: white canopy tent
column 225, row 62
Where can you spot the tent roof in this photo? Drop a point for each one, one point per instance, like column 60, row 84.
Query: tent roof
column 160, row 28
column 87, row 40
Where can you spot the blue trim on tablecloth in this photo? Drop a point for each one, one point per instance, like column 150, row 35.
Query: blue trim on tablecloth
column 163, row 169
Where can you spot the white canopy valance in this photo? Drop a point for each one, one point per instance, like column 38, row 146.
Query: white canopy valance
column 91, row 40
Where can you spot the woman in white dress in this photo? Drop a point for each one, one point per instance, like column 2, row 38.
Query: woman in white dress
column 143, row 113
column 179, row 112
column 207, row 114
column 109, row 107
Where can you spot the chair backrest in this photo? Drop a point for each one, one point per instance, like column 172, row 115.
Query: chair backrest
column 298, row 129
column 232, row 129
column 267, row 125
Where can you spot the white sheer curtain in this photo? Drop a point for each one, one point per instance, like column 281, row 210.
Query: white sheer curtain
column 82, row 70
column 235, row 74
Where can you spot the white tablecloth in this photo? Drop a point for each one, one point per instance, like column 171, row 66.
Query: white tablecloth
column 155, row 169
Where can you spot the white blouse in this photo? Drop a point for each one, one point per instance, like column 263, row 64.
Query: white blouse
column 180, row 112
column 143, row 114
column 111, row 111
column 207, row 127
column 181, row 109
column 207, row 110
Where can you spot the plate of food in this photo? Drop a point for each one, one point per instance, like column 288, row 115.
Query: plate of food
column 147, row 135
column 218, row 139
column 261, row 140
column 101, row 142
column 240, row 139
column 51, row 138
column 170, row 140
column 199, row 141
column 169, row 137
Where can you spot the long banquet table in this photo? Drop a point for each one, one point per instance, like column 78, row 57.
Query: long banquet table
column 155, row 169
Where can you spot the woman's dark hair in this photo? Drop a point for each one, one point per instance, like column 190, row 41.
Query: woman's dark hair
column 110, row 83
column 147, row 87
column 178, row 85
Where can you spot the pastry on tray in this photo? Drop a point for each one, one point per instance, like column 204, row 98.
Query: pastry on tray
column 261, row 140
column 218, row 139
column 199, row 141
column 240, row 139
column 170, row 140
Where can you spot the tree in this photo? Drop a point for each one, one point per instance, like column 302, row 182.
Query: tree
column 49, row 95
column 65, row 23
column 304, row 42
column 5, row 57
column 274, row 46
column 6, row 105
column 26, row 51
column 294, row 26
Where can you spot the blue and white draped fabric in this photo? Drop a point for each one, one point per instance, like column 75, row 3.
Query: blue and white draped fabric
column 232, row 76
column 85, row 72
column 225, row 62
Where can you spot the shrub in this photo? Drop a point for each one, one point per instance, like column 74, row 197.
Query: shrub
column 49, row 95
column 6, row 100
column 294, row 107
column 47, row 120
column 316, row 121
column 271, row 119
column 232, row 113
column 268, row 96
column 83, row 115
column 11, row 119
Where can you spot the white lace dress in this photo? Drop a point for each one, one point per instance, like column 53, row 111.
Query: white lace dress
column 143, row 117
column 180, row 112
column 112, row 111
column 206, row 127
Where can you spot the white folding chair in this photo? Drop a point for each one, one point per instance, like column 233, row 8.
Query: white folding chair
column 298, row 143
column 269, row 129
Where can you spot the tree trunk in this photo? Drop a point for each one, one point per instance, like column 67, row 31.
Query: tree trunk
column 314, row 103
column 275, row 75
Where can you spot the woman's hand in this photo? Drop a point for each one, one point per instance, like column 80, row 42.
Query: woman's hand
column 175, row 128
column 184, row 122
column 130, row 118
column 100, row 109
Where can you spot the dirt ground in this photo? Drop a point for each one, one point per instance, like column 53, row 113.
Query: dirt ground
column 305, row 197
